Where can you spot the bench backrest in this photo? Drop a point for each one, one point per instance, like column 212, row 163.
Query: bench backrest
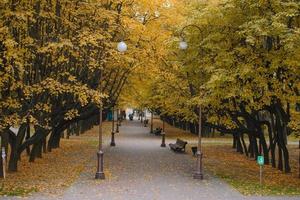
column 181, row 143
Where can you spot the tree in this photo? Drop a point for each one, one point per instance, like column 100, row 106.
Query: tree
column 242, row 68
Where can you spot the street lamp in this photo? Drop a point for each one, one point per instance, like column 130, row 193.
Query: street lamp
column 183, row 45
column 100, row 173
column 163, row 134
column 151, row 125
column 121, row 47
column 112, row 142
column 118, row 122
column 144, row 17
column 167, row 4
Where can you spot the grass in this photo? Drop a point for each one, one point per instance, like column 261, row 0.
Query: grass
column 254, row 188
column 294, row 138
column 17, row 191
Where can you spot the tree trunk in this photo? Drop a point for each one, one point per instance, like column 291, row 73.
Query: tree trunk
column 264, row 146
column 280, row 162
column 45, row 145
column 39, row 149
column 1, row 168
column 272, row 140
column 49, row 147
column 27, row 137
column 273, row 150
column 15, row 141
column 13, row 159
column 244, row 145
column 239, row 147
column 234, row 141
column 54, row 140
column 33, row 152
column 287, row 168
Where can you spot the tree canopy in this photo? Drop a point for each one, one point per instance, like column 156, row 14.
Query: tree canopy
column 241, row 66
column 59, row 63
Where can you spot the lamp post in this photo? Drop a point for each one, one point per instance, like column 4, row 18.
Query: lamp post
column 112, row 143
column 100, row 173
column 183, row 45
column 163, row 134
column 117, row 129
column 142, row 115
column 299, row 160
column 163, row 128
column 121, row 47
column 151, row 123
column 120, row 117
column 199, row 170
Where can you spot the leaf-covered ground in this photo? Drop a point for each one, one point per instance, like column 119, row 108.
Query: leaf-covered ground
column 238, row 170
column 243, row 173
column 56, row 170
column 53, row 174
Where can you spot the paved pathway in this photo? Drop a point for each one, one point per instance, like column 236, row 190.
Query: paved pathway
column 139, row 169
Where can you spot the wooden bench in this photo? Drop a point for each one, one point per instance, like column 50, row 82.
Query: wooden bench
column 157, row 131
column 179, row 146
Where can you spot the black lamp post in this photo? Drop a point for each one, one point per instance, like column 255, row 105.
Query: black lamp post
column 100, row 173
column 120, row 119
column 118, row 123
column 163, row 134
column 199, row 170
column 151, row 123
column 142, row 115
column 163, row 139
column 121, row 47
column 163, row 128
column 112, row 143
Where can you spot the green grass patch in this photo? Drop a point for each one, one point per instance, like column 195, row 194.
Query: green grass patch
column 247, row 187
column 93, row 143
column 294, row 137
column 17, row 191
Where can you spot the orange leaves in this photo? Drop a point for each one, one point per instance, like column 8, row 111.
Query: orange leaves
column 243, row 173
column 71, row 114
column 60, row 172
column 149, row 29
column 56, row 170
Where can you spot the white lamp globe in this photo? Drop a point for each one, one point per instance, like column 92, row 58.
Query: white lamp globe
column 122, row 47
column 183, row 45
column 167, row 4
column 157, row 14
